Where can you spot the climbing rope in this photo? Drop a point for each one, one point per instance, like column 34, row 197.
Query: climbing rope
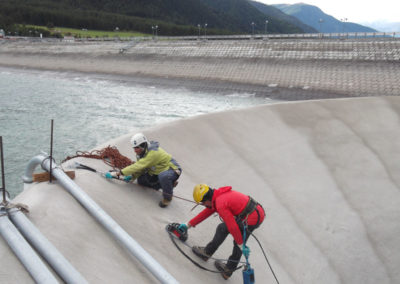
column 84, row 167
column 110, row 156
column 266, row 258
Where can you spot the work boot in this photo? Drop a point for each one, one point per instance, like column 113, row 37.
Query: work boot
column 201, row 252
column 164, row 202
column 225, row 271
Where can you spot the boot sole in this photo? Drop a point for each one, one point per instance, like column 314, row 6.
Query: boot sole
column 162, row 205
column 222, row 270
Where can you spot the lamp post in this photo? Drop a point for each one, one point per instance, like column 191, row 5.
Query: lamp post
column 343, row 22
column 320, row 21
column 252, row 29
column 266, row 31
column 152, row 31
column 198, row 26
column 205, row 31
column 156, row 31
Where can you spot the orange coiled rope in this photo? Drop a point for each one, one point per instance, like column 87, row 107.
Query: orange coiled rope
column 110, row 155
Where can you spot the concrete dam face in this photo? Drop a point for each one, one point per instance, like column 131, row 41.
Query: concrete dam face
column 326, row 171
column 306, row 69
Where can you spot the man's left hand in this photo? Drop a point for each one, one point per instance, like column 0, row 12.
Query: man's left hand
column 183, row 227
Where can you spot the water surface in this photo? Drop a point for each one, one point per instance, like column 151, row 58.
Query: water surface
column 88, row 110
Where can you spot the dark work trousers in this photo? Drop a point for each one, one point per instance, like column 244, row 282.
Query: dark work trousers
column 164, row 180
column 220, row 235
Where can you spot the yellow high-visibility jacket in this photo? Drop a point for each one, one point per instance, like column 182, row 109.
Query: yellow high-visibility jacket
column 155, row 161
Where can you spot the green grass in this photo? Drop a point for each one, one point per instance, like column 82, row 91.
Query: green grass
column 90, row 33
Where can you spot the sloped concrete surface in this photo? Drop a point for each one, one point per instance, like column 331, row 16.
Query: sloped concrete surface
column 326, row 172
column 351, row 67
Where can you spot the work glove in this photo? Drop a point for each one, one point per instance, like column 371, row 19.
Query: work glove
column 245, row 250
column 183, row 227
column 110, row 175
column 127, row 178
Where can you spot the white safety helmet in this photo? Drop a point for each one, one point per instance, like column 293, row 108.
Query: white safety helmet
column 138, row 139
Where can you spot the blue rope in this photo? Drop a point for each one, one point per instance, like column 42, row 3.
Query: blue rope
column 244, row 242
column 248, row 272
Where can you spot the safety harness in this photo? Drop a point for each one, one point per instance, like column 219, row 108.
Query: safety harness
column 249, row 208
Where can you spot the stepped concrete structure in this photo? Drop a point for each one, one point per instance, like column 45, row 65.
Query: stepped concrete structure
column 326, row 171
column 306, row 68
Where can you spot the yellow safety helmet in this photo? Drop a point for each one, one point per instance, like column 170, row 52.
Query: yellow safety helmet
column 199, row 191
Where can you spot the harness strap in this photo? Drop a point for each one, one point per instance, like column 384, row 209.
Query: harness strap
column 249, row 208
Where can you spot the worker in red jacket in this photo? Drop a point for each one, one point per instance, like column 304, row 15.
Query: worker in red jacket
column 236, row 210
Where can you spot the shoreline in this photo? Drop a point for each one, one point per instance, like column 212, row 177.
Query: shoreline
column 205, row 85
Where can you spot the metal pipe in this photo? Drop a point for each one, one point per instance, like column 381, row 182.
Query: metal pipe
column 51, row 150
column 3, row 186
column 32, row 164
column 46, row 249
column 32, row 262
column 103, row 218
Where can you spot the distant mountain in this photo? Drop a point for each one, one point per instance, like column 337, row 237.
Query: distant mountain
column 314, row 17
column 241, row 14
column 274, row 14
column 384, row 26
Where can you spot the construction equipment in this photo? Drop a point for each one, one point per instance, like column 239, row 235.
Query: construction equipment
column 84, row 167
column 179, row 233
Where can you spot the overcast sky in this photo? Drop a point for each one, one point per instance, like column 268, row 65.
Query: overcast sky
column 355, row 11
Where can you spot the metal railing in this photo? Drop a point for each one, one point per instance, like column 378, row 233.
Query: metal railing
column 355, row 35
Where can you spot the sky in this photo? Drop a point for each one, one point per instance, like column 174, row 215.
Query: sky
column 355, row 11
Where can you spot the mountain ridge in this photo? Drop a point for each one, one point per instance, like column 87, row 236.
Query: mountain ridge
column 276, row 13
column 322, row 22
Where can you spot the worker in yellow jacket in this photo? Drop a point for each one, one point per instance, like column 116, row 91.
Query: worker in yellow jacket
column 154, row 168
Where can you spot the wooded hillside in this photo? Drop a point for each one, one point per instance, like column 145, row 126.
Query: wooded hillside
column 173, row 17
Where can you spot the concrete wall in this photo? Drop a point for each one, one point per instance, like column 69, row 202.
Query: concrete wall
column 347, row 67
column 326, row 172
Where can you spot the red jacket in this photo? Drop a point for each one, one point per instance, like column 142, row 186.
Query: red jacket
column 228, row 204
